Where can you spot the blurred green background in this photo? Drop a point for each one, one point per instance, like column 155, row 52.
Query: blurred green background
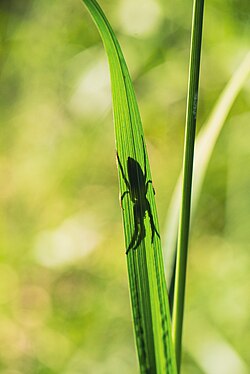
column 64, row 302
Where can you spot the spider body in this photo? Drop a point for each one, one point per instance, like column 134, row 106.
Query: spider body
column 136, row 178
column 137, row 188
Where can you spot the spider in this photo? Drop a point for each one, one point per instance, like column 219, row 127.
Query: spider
column 137, row 188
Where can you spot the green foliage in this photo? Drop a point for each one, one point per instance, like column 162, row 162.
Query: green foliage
column 183, row 233
column 148, row 290
column 64, row 291
column 205, row 144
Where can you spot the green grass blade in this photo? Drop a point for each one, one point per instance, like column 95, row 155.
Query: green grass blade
column 205, row 143
column 148, row 289
column 182, row 246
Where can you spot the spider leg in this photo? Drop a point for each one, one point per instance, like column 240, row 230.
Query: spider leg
column 145, row 169
column 141, row 234
column 136, row 232
column 148, row 184
column 122, row 197
column 144, row 153
column 151, row 218
column 122, row 171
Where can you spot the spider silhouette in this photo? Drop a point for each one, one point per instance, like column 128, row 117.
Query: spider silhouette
column 137, row 188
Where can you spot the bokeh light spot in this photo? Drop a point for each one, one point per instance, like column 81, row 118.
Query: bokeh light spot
column 73, row 239
column 139, row 17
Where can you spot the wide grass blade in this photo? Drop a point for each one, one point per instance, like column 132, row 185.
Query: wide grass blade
column 205, row 143
column 148, row 289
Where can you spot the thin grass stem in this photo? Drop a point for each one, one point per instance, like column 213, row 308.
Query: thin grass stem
column 182, row 247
